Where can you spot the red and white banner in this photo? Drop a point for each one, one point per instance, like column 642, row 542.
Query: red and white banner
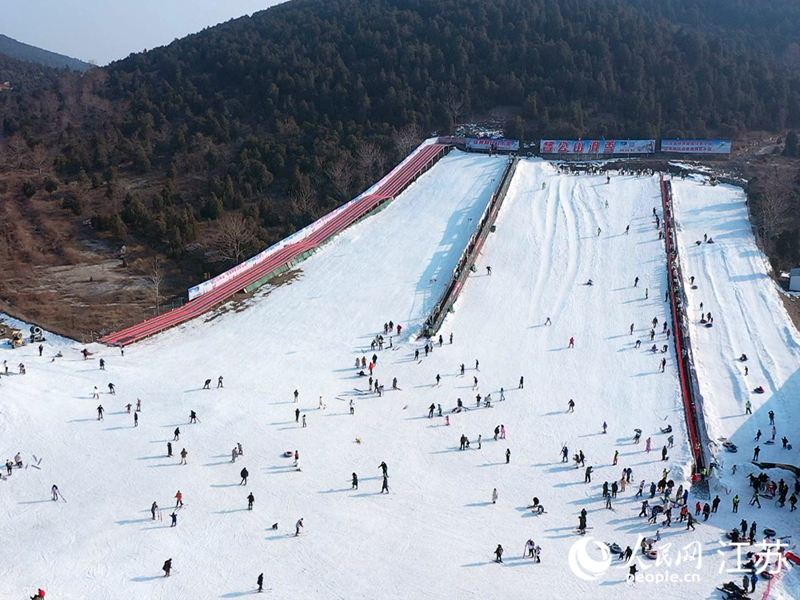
column 697, row 146
column 500, row 144
column 597, row 147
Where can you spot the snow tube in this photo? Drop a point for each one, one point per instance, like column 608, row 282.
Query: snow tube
column 758, row 390
column 709, row 324
column 694, row 287
column 792, row 557
column 769, row 532
column 652, row 554
column 288, row 454
column 614, row 548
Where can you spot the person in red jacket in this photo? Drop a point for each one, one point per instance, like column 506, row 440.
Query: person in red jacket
column 39, row 595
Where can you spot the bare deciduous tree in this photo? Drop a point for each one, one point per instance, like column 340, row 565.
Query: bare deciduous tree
column 775, row 205
column 16, row 151
column 340, row 173
column 455, row 106
column 155, row 277
column 407, row 138
column 370, row 158
column 40, row 159
column 234, row 236
column 303, row 197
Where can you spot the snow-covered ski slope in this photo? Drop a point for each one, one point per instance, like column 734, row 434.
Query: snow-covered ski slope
column 433, row 535
column 749, row 318
column 393, row 265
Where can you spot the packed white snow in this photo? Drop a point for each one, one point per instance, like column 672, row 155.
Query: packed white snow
column 433, row 535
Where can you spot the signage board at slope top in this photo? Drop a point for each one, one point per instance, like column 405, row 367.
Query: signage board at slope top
column 697, row 146
column 500, row 144
column 597, row 146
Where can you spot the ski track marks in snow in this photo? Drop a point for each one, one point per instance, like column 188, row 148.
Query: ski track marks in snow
column 433, row 535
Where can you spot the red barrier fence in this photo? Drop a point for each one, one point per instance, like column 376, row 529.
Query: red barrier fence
column 389, row 188
column 681, row 331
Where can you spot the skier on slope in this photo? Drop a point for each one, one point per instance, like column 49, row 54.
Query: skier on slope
column 498, row 553
column 244, row 473
column 54, row 493
column 167, row 567
column 297, row 527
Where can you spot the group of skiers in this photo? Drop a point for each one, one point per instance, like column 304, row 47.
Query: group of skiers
column 531, row 549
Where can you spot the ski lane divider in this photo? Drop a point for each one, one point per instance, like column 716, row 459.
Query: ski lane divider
column 686, row 372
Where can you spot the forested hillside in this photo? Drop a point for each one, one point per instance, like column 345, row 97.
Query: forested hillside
column 263, row 123
column 21, row 51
